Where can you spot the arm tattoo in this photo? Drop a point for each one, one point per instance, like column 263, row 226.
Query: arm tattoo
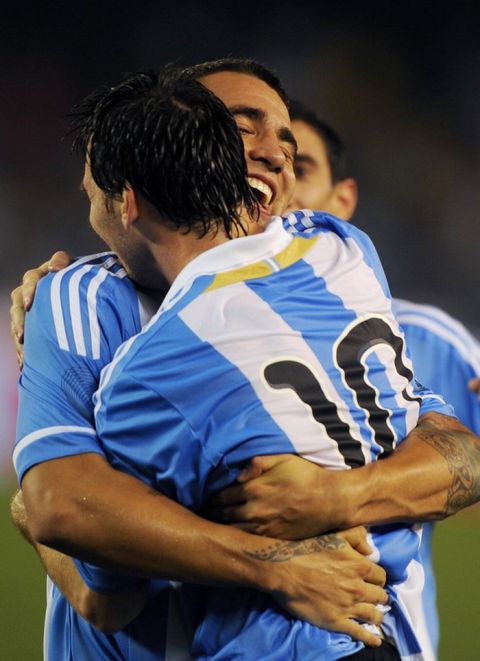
column 284, row 551
column 462, row 455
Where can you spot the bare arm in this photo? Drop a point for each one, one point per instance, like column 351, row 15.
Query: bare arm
column 109, row 613
column 81, row 506
column 433, row 474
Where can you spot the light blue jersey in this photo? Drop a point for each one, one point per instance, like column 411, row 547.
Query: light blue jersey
column 445, row 357
column 79, row 318
column 269, row 344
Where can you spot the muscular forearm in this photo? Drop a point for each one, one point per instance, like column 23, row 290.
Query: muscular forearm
column 115, row 521
column 108, row 613
column 84, row 508
column 433, row 474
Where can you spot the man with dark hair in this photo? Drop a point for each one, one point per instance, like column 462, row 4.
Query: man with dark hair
column 445, row 355
column 268, row 146
column 322, row 178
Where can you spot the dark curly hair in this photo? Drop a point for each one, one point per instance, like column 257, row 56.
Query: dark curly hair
column 174, row 142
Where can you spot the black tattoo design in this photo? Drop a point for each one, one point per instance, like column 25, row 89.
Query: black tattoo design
column 284, row 551
column 462, row 454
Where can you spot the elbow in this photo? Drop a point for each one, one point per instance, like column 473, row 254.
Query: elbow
column 52, row 520
column 108, row 613
column 98, row 616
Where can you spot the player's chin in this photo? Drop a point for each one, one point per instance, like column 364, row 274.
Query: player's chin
column 257, row 220
column 265, row 215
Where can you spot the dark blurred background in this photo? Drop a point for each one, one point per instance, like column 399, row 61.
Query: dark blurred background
column 399, row 80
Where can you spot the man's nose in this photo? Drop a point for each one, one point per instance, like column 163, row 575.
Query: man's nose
column 268, row 149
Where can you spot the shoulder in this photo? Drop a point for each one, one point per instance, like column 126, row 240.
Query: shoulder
column 433, row 320
column 88, row 272
column 439, row 326
column 306, row 223
column 76, row 304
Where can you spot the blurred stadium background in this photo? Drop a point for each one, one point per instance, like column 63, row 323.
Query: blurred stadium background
column 400, row 81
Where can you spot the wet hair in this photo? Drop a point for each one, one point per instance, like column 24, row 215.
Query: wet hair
column 334, row 145
column 171, row 140
column 239, row 65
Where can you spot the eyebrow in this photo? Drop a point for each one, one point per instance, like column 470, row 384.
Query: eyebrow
column 258, row 115
column 305, row 158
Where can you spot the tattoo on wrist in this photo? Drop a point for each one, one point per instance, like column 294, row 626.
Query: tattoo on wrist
column 284, row 551
column 462, row 455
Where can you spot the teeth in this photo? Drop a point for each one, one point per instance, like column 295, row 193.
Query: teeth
column 263, row 188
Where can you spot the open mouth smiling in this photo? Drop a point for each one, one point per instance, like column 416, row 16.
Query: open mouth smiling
column 262, row 191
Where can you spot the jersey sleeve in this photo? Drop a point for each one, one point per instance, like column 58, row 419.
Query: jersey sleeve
column 71, row 332
column 445, row 356
column 77, row 322
column 431, row 402
column 106, row 582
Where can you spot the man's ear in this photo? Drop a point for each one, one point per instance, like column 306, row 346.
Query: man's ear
column 345, row 197
column 129, row 208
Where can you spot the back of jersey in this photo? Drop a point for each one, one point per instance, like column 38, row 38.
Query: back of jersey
column 295, row 350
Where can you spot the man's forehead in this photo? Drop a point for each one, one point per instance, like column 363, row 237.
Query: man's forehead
column 235, row 88
column 308, row 139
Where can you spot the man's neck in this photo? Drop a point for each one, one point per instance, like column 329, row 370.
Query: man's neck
column 171, row 250
column 176, row 250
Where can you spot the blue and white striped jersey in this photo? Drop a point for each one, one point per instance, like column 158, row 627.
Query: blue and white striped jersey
column 268, row 344
column 79, row 318
column 445, row 357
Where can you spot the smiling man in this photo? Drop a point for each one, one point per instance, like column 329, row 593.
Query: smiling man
column 264, row 125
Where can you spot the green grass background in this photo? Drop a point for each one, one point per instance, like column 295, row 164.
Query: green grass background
column 457, row 559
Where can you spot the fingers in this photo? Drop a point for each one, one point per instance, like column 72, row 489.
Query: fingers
column 376, row 575
column 230, row 496
column 253, row 469
column 59, row 260
column 474, row 385
column 29, row 284
column 356, row 631
column 259, row 465
column 368, row 613
column 357, row 538
column 17, row 322
column 370, row 593
column 17, row 318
